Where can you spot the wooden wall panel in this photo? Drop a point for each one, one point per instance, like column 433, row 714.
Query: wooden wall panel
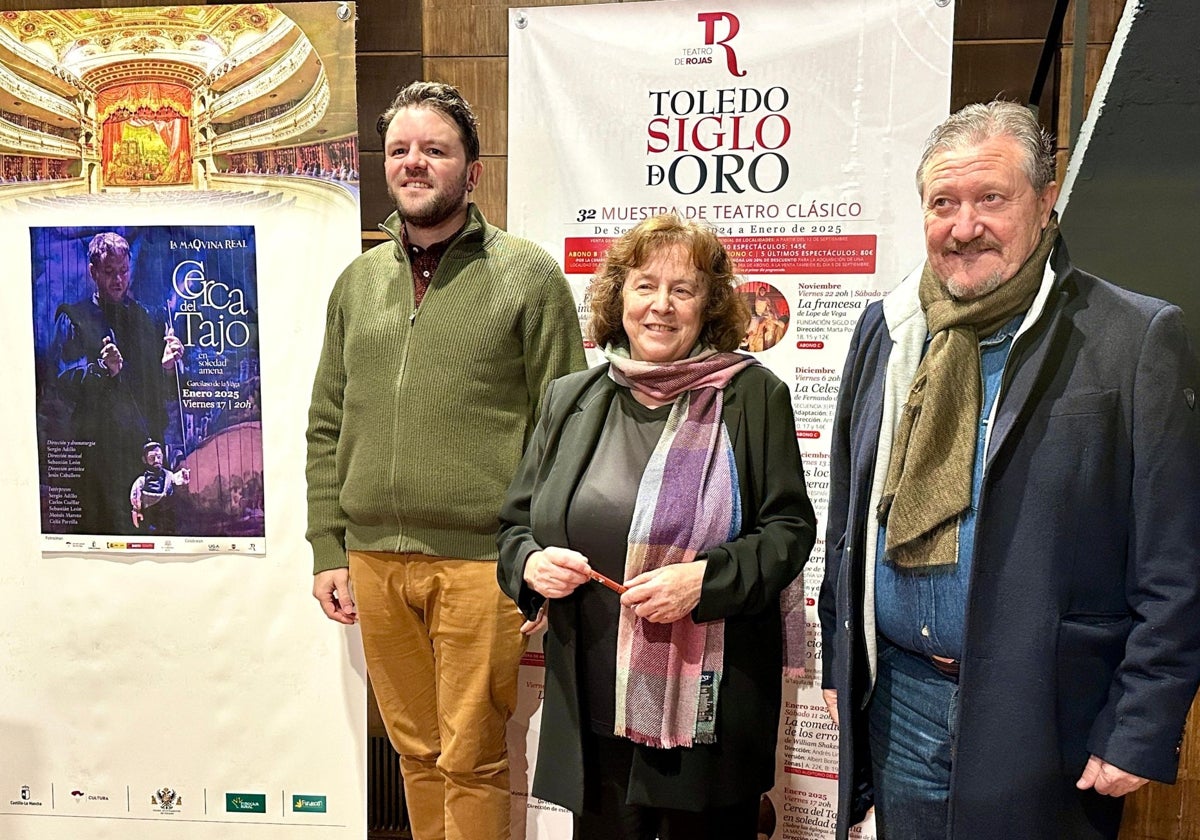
column 1103, row 16
column 477, row 27
column 988, row 20
column 985, row 70
column 463, row 28
column 394, row 26
column 484, row 83
column 1094, row 66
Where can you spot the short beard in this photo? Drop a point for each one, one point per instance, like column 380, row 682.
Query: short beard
column 437, row 211
column 959, row 291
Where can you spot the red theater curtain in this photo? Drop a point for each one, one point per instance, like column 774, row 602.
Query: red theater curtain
column 152, row 95
column 162, row 107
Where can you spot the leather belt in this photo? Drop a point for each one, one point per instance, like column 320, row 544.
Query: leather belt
column 946, row 667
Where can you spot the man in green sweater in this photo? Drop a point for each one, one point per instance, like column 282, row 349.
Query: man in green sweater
column 438, row 348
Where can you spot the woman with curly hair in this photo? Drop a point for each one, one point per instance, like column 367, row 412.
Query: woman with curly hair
column 674, row 470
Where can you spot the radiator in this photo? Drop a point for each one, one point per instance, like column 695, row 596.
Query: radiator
column 386, row 817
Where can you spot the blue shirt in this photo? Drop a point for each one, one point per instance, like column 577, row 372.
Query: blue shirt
column 924, row 610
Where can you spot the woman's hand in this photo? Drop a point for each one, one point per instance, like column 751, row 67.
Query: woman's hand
column 555, row 572
column 538, row 624
column 667, row 594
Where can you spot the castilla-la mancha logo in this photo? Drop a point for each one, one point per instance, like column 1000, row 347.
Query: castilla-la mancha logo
column 719, row 29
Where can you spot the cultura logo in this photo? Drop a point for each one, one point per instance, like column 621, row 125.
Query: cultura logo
column 732, row 26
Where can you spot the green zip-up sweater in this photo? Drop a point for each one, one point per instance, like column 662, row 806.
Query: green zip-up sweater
column 419, row 416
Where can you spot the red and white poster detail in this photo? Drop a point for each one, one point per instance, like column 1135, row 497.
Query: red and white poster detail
column 794, row 130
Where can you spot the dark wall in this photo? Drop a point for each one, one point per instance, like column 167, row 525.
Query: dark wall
column 1133, row 215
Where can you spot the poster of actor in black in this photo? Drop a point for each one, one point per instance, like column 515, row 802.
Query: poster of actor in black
column 147, row 335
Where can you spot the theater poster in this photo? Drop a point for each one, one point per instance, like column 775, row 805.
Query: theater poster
column 793, row 129
column 179, row 191
column 147, row 375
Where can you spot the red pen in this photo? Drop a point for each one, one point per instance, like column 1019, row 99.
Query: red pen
column 606, row 581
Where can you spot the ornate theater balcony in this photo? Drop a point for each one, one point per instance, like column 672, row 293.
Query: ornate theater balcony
column 274, row 77
column 272, row 132
column 19, row 139
column 39, row 97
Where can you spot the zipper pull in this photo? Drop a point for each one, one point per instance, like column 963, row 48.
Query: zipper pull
column 412, row 319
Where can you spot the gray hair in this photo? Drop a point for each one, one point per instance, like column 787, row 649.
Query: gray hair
column 443, row 98
column 978, row 123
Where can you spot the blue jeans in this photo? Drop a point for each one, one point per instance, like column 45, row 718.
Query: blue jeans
column 913, row 718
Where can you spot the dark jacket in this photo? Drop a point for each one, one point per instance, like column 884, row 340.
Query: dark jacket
column 742, row 583
column 119, row 414
column 1083, row 626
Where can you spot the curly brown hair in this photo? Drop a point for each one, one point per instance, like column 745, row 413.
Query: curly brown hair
column 725, row 317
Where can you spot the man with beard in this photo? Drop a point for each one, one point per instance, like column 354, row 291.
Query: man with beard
column 1011, row 592
column 115, row 362
column 438, row 348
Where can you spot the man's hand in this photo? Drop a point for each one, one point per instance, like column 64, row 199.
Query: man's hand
column 110, row 356
column 1108, row 779
column 172, row 349
column 556, row 572
column 137, row 518
column 332, row 589
column 829, row 695
column 667, row 594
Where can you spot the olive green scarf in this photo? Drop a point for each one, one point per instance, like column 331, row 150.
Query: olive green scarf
column 929, row 475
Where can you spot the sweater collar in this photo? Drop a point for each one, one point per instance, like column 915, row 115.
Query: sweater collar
column 473, row 234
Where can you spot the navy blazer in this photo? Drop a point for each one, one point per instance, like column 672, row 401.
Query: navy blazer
column 742, row 583
column 1083, row 623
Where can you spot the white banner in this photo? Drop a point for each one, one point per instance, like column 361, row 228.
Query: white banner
column 793, row 129
column 170, row 676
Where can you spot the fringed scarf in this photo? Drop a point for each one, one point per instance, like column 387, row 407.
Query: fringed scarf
column 929, row 476
column 688, row 501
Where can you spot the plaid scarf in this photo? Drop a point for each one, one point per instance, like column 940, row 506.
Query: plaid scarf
column 688, row 501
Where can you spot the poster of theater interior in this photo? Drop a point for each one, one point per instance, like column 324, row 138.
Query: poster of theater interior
column 150, row 157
